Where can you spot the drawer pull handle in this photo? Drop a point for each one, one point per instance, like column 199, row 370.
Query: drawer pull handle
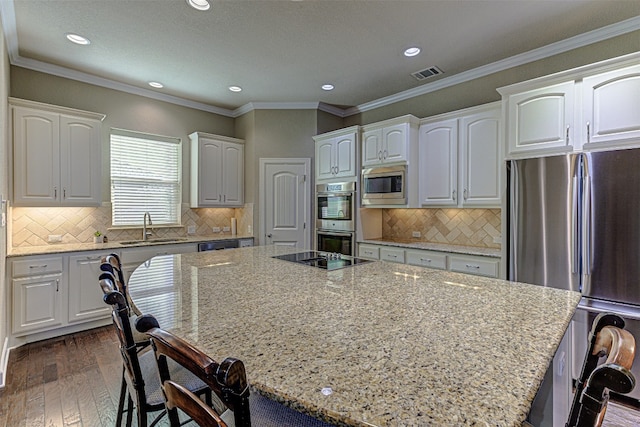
column 477, row 267
column 38, row 266
column 425, row 260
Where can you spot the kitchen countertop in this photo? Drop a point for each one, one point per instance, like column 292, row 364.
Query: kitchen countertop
column 440, row 247
column 59, row 248
column 396, row 344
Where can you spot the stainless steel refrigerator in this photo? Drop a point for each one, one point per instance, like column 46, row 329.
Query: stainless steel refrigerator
column 574, row 223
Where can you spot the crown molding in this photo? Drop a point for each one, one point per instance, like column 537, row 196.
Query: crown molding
column 7, row 15
column 578, row 41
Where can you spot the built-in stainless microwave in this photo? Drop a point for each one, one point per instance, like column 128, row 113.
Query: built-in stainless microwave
column 384, row 186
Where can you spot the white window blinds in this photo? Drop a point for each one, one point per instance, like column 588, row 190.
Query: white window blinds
column 145, row 177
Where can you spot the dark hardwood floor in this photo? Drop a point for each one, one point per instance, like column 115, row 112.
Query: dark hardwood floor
column 68, row 381
column 74, row 381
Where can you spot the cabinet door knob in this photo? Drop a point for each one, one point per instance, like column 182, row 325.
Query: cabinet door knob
column 269, row 235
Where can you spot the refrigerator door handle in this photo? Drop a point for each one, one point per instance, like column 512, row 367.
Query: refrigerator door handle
column 587, row 236
column 575, row 225
column 513, row 214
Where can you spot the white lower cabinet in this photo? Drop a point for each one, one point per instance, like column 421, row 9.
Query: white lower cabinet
column 37, row 294
column 429, row 259
column 85, row 296
column 392, row 254
column 368, row 251
column 470, row 264
column 53, row 295
column 480, row 266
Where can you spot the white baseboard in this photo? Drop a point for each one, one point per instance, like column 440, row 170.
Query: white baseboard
column 4, row 360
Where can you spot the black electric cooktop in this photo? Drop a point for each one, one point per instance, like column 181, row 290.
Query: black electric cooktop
column 326, row 261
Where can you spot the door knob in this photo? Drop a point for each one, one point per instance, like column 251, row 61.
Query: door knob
column 269, row 235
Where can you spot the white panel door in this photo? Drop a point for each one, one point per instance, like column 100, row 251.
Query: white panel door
column 612, row 106
column 345, row 152
column 285, row 201
column 233, row 174
column 80, row 167
column 210, row 170
column 36, row 157
column 324, row 159
column 438, row 153
column 372, row 147
column 542, row 120
column 480, row 157
column 86, row 299
column 394, row 146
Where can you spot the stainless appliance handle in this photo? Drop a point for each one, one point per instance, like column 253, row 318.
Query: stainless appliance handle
column 513, row 214
column 575, row 224
column 588, row 241
column 625, row 314
column 333, row 233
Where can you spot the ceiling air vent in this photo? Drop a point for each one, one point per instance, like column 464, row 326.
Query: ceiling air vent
column 426, row 73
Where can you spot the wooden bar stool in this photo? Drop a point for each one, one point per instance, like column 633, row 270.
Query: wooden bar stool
column 607, row 338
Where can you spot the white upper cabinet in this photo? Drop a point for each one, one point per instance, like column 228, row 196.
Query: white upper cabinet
column 438, row 150
column 460, row 156
column 336, row 154
column 541, row 119
column 611, row 107
column 56, row 155
column 217, row 170
column 389, row 142
column 593, row 107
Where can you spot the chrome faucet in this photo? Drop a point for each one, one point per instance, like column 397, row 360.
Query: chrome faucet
column 146, row 234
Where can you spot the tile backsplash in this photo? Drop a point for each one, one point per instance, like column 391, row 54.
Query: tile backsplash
column 33, row 226
column 468, row 227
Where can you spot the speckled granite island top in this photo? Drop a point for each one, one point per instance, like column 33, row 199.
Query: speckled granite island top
column 397, row 345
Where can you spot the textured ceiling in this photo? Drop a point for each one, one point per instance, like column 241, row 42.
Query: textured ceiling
column 283, row 51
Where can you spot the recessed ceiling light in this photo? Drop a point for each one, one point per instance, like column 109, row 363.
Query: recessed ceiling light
column 77, row 39
column 235, row 88
column 199, row 4
column 327, row 87
column 157, row 85
column 412, row 51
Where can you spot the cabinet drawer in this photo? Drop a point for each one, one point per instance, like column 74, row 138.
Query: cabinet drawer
column 427, row 259
column 475, row 265
column 392, row 254
column 36, row 266
column 369, row 251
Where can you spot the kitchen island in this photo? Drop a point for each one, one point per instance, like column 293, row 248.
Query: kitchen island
column 376, row 344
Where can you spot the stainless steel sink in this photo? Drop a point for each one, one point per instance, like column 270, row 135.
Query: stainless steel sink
column 167, row 240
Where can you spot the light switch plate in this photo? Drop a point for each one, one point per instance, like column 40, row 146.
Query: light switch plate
column 216, row 229
column 191, row 229
column 497, row 239
column 416, row 234
column 55, row 238
column 225, row 229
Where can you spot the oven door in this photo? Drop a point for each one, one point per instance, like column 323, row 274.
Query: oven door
column 335, row 242
column 335, row 211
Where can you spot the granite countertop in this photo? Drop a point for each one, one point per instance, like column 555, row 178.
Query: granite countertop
column 59, row 248
column 440, row 247
column 396, row 344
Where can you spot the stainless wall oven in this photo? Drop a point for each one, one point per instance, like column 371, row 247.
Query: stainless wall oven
column 335, row 217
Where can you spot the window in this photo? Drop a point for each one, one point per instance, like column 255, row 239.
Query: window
column 145, row 177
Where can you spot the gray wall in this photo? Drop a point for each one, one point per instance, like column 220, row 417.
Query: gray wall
column 123, row 110
column 483, row 90
column 273, row 134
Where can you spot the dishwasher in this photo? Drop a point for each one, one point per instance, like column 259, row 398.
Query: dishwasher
column 217, row 245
